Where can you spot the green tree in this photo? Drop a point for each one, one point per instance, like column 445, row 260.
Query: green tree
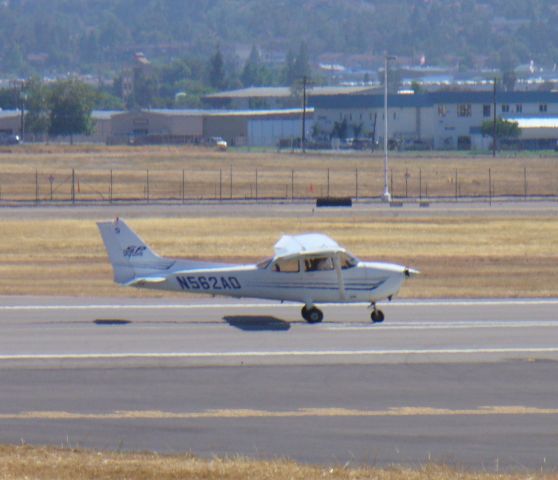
column 252, row 72
column 216, row 70
column 505, row 129
column 37, row 117
column 8, row 99
column 105, row 100
column 13, row 59
column 289, row 74
column 340, row 129
column 146, row 89
column 71, row 103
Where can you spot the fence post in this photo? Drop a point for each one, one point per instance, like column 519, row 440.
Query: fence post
column 489, row 186
column 147, row 185
column 406, row 183
column 292, row 184
column 391, row 181
column 73, row 186
column 525, row 182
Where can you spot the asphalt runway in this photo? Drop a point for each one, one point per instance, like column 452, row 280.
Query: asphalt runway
column 471, row 383
column 364, row 209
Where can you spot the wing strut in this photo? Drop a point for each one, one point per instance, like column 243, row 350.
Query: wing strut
column 340, row 279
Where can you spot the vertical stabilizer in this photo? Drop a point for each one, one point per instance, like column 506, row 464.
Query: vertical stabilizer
column 128, row 253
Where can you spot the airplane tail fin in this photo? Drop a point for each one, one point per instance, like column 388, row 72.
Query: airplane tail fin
column 129, row 255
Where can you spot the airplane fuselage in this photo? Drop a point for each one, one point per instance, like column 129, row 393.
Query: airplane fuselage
column 364, row 282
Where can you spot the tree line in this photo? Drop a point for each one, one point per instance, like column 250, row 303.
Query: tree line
column 61, row 108
column 64, row 107
column 183, row 82
column 37, row 36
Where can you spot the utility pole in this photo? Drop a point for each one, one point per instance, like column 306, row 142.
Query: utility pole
column 386, row 196
column 303, row 137
column 494, row 119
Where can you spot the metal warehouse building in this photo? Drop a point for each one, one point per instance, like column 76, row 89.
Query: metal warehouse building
column 237, row 127
column 10, row 122
column 442, row 120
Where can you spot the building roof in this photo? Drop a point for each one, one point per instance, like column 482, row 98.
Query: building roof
column 9, row 113
column 430, row 99
column 285, row 92
column 259, row 113
column 223, row 113
column 104, row 114
column 535, row 122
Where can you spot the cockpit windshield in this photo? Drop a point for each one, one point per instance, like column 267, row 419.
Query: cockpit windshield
column 347, row 261
column 264, row 263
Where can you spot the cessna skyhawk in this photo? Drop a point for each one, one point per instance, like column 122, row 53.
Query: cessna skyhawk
column 310, row 268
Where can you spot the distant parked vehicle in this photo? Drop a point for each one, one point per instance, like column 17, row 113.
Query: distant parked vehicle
column 218, row 142
column 415, row 144
column 9, row 140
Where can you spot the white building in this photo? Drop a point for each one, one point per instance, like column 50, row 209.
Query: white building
column 441, row 120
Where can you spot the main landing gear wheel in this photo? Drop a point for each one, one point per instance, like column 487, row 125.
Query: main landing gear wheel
column 312, row 315
column 377, row 316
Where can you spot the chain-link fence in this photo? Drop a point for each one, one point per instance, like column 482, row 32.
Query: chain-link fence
column 222, row 184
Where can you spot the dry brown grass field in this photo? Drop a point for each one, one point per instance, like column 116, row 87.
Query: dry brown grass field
column 19, row 462
column 458, row 257
column 210, row 174
column 471, row 257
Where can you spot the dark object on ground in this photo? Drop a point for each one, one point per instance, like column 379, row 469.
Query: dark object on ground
column 334, row 202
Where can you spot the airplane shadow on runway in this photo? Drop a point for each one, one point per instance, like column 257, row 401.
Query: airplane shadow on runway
column 257, row 323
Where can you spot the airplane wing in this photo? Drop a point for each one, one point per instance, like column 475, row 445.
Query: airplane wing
column 291, row 246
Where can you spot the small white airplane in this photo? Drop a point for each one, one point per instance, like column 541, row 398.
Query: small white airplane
column 309, row 268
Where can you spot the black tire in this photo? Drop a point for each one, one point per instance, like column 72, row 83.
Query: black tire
column 312, row 315
column 377, row 316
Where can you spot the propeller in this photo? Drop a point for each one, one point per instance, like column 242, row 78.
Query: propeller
column 409, row 272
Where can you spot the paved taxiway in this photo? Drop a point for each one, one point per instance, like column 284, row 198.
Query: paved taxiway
column 365, row 209
column 472, row 383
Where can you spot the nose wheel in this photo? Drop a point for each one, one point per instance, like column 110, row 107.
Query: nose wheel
column 377, row 316
column 312, row 315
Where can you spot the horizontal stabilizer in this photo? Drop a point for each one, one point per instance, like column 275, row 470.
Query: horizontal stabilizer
column 140, row 280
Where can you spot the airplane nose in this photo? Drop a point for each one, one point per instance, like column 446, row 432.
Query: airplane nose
column 410, row 272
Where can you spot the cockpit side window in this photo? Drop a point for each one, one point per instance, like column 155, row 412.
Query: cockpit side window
column 286, row 266
column 316, row 264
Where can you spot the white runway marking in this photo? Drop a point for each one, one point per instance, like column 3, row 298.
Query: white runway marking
column 445, row 325
column 299, row 353
column 198, row 306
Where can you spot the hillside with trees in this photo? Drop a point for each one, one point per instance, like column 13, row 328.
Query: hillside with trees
column 42, row 36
